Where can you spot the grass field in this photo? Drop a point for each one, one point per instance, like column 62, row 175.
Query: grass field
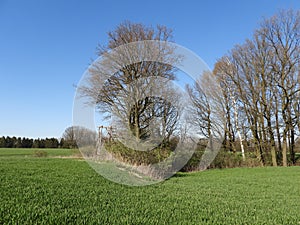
column 52, row 190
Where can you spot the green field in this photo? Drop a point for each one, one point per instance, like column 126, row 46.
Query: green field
column 53, row 190
column 29, row 152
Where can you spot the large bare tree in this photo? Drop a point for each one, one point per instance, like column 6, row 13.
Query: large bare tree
column 131, row 83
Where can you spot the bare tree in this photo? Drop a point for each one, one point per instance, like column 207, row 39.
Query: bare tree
column 78, row 136
column 207, row 110
column 222, row 70
column 282, row 35
column 264, row 73
column 130, row 85
column 200, row 111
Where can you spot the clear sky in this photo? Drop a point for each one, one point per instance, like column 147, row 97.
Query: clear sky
column 45, row 47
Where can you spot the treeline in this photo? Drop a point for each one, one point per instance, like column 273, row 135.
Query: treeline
column 18, row 142
column 250, row 102
column 258, row 97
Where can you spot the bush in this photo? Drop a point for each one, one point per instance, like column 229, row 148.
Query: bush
column 193, row 163
column 40, row 153
column 224, row 159
column 134, row 157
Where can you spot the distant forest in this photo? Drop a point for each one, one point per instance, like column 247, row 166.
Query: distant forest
column 18, row 142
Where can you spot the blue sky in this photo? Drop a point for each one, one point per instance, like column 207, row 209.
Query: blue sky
column 45, row 47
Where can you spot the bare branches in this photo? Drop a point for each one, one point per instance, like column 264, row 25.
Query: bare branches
column 131, row 81
column 264, row 74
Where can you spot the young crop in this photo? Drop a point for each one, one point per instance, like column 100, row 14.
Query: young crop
column 53, row 190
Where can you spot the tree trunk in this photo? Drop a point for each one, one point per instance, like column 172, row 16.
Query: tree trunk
column 273, row 154
column 272, row 141
column 291, row 141
column 278, row 127
column 292, row 147
column 284, row 150
column 137, row 124
column 259, row 151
